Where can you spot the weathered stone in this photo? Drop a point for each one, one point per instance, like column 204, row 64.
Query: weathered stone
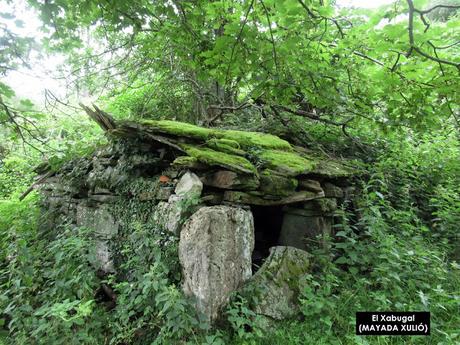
column 163, row 193
column 172, row 214
column 334, row 168
column 226, row 179
column 275, row 286
column 187, row 162
column 106, row 177
column 168, row 215
column 99, row 219
column 213, row 198
column 321, row 206
column 311, row 185
column 99, row 190
column 105, row 228
column 189, row 184
column 58, row 187
column 252, row 199
column 103, row 198
column 272, row 183
column 301, row 230
column 143, row 161
column 101, row 257
column 332, row 191
column 215, row 253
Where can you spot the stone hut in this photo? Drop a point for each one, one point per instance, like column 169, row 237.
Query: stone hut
column 240, row 203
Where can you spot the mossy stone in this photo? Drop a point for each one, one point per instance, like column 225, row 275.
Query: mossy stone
column 244, row 139
column 188, row 162
column 274, row 184
column 217, row 158
column 333, row 169
column 289, row 163
column 225, row 145
column 176, row 128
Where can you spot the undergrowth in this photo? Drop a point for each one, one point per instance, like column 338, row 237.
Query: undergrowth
column 394, row 249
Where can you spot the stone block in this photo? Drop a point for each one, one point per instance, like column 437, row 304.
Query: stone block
column 215, row 250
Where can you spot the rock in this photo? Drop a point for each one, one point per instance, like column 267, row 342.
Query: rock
column 215, row 250
column 189, row 184
column 99, row 219
column 163, row 193
column 319, row 207
column 168, row 215
column 272, row 183
column 332, row 191
column 212, row 198
column 101, row 257
column 99, row 190
column 311, row 185
column 253, row 199
column 226, row 179
column 105, row 229
column 300, row 230
column 187, row 162
column 275, row 286
column 172, row 214
column 103, row 198
column 335, row 168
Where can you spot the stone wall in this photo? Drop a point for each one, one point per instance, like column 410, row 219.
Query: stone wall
column 204, row 200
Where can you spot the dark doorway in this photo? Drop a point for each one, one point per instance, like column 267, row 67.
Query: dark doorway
column 267, row 227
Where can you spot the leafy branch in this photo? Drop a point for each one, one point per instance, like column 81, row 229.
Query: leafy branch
column 413, row 46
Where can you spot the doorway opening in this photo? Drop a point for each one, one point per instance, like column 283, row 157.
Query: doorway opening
column 267, row 228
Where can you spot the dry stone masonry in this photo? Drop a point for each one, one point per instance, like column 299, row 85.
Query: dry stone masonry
column 229, row 196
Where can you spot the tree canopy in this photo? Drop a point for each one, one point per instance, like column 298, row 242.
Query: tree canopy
column 397, row 66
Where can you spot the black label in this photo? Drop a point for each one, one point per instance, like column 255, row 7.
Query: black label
column 392, row 323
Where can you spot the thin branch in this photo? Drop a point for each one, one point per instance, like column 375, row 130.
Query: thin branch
column 238, row 39
column 271, row 35
column 410, row 29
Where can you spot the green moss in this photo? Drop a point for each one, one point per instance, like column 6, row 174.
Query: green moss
column 227, row 142
column 251, row 139
column 217, row 158
column 274, row 184
column 333, row 169
column 179, row 128
column 225, row 145
column 286, row 162
column 231, row 138
column 187, row 162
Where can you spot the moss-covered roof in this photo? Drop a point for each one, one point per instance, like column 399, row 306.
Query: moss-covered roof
column 240, row 151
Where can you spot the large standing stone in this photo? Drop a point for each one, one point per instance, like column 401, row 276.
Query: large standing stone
column 300, row 229
column 275, row 287
column 215, row 250
column 189, row 184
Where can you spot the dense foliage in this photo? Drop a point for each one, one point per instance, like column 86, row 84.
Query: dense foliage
column 378, row 85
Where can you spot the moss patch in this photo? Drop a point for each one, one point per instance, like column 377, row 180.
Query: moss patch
column 225, row 145
column 241, row 138
column 274, row 184
column 287, row 162
column 217, row 158
column 256, row 139
column 182, row 129
column 333, row 169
